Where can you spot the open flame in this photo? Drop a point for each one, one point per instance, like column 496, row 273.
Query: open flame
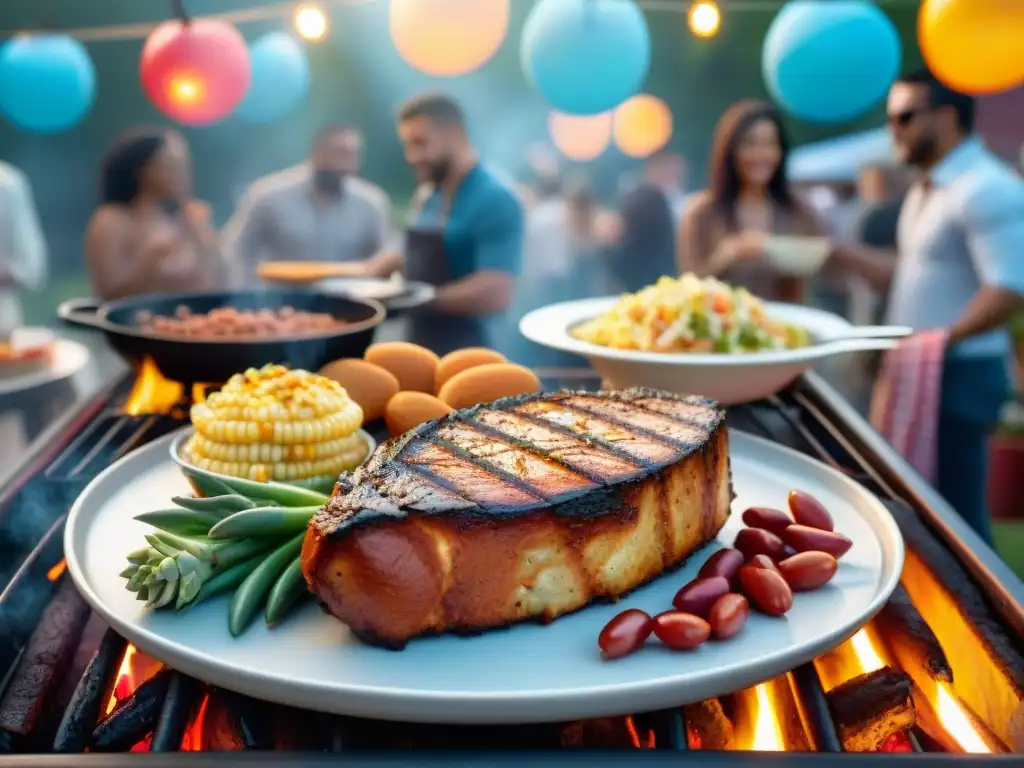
column 57, row 570
column 152, row 393
column 767, row 732
column 957, row 723
column 136, row 668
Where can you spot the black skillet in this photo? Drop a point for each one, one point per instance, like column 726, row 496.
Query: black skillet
column 214, row 361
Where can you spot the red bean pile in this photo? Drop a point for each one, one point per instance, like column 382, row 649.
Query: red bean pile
column 776, row 555
column 235, row 323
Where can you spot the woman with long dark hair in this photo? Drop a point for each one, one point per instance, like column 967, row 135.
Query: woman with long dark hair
column 725, row 229
column 149, row 235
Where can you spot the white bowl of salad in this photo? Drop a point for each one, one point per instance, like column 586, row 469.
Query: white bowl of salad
column 700, row 336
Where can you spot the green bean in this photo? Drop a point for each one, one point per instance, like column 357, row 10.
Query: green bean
column 226, row 579
column 290, row 585
column 279, row 493
column 264, row 521
column 200, row 549
column 218, row 506
column 250, row 593
column 210, row 486
column 180, row 521
column 243, row 549
column 162, row 549
column 140, row 556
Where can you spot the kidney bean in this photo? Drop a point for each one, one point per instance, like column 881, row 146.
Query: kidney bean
column 774, row 520
column 808, row 511
column 803, row 538
column 728, row 615
column 625, row 633
column 757, row 541
column 767, row 590
column 762, row 561
column 725, row 562
column 699, row 595
column 681, row 631
column 808, row 570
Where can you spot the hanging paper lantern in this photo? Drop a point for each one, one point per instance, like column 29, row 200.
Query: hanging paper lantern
column 195, row 72
column 642, row 125
column 973, row 46
column 580, row 137
column 447, row 37
column 830, row 60
column 586, row 56
column 47, row 82
column 280, row 79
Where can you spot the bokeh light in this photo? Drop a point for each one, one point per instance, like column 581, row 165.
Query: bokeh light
column 280, row 78
column 580, row 137
column 642, row 125
column 47, row 82
column 445, row 38
column 974, row 46
column 704, row 18
column 310, row 22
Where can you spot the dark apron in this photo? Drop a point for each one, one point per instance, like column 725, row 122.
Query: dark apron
column 426, row 261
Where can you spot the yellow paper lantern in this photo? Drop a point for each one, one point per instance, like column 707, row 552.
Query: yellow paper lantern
column 642, row 125
column 973, row 46
column 580, row 137
column 447, row 37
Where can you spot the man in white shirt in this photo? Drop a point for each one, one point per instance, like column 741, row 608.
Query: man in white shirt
column 319, row 210
column 22, row 247
column 960, row 269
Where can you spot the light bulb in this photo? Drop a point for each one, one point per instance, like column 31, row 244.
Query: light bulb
column 310, row 22
column 704, row 18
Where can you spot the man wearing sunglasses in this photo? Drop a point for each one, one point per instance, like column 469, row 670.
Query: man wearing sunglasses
column 959, row 274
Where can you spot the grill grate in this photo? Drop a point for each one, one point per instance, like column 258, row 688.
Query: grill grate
column 159, row 713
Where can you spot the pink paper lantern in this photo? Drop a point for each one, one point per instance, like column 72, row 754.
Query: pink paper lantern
column 195, row 72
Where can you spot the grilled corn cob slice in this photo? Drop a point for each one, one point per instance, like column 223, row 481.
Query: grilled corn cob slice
column 269, row 453
column 283, row 471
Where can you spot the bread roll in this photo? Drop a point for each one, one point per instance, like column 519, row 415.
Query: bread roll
column 371, row 386
column 488, row 382
column 410, row 409
column 414, row 366
column 463, row 359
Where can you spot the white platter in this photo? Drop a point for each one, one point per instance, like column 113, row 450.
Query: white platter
column 528, row 673
column 729, row 379
column 67, row 359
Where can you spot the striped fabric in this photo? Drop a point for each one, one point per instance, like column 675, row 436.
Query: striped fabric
column 905, row 404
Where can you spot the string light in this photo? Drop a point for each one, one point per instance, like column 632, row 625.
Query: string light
column 704, row 18
column 310, row 22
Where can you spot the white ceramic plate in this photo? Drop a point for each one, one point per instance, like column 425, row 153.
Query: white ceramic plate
column 728, row 379
column 68, row 358
column 395, row 294
column 528, row 673
column 180, row 457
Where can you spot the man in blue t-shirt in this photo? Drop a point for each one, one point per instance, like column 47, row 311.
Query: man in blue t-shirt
column 465, row 230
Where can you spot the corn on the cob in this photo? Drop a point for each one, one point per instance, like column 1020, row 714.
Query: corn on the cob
column 268, row 453
column 333, row 427
column 283, row 471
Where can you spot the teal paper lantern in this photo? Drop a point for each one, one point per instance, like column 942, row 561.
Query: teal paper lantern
column 827, row 61
column 586, row 56
column 280, row 79
column 47, row 82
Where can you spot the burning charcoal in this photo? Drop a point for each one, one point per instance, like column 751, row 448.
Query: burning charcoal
column 221, row 729
column 134, row 717
column 911, row 639
column 707, row 726
column 601, row 733
column 49, row 652
column 93, row 689
column 870, row 708
column 183, row 696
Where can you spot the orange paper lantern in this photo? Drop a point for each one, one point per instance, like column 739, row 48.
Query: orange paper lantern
column 973, row 46
column 195, row 72
column 642, row 125
column 447, row 37
column 580, row 137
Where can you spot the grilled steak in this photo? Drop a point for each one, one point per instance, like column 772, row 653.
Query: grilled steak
column 526, row 507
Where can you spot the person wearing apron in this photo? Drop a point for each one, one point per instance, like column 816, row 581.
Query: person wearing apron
column 465, row 236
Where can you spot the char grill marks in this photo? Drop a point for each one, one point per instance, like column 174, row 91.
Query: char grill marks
column 525, row 453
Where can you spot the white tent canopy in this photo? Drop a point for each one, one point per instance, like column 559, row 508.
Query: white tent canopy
column 840, row 159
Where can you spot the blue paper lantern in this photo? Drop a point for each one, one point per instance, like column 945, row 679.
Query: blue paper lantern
column 47, row 82
column 280, row 78
column 830, row 61
column 586, row 56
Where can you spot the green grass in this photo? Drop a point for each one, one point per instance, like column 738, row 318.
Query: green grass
column 1009, row 538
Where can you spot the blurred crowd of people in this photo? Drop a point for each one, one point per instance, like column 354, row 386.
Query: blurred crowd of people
column 934, row 245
